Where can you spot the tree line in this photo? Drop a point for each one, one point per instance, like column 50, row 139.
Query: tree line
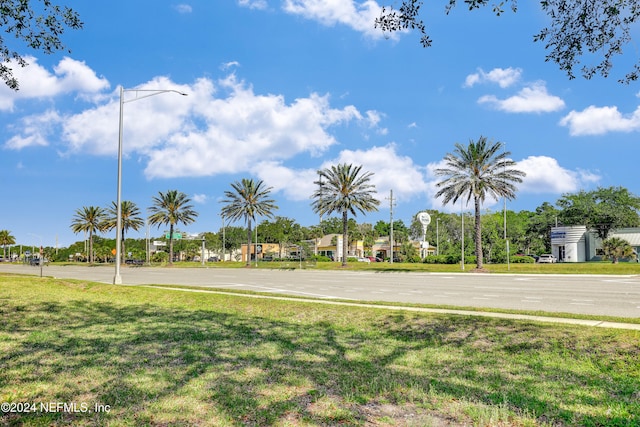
column 470, row 173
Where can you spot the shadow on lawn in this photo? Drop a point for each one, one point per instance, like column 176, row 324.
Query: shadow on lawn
column 161, row 366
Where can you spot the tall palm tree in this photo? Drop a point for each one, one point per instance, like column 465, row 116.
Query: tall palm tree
column 130, row 214
column 475, row 170
column 342, row 188
column 248, row 199
column 89, row 219
column 171, row 208
column 6, row 239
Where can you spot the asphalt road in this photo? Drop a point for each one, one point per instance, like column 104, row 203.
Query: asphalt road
column 596, row 295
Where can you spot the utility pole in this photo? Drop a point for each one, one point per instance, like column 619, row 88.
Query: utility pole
column 391, row 245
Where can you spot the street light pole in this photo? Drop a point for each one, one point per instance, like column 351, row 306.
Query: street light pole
column 117, row 279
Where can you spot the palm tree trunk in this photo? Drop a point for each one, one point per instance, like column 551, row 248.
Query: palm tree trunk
column 344, row 239
column 248, row 243
column 478, row 229
column 171, row 244
column 90, row 246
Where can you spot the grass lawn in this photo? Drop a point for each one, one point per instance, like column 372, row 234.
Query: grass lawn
column 166, row 358
column 595, row 267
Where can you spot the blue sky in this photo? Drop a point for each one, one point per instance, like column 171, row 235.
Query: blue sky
column 281, row 88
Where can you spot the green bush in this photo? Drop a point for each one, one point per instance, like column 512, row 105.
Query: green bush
column 520, row 259
column 320, row 258
column 160, row 257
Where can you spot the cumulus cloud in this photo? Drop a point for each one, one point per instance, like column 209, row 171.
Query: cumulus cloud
column 37, row 82
column 392, row 171
column 503, row 77
column 544, row 175
column 531, row 99
column 600, row 120
column 253, row 4
column 221, row 127
column 184, row 8
column 35, row 130
column 358, row 16
column 200, row 198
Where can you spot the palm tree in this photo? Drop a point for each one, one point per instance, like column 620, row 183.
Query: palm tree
column 475, row 171
column 89, row 219
column 344, row 190
column 248, row 199
column 6, row 239
column 616, row 248
column 130, row 214
column 171, row 208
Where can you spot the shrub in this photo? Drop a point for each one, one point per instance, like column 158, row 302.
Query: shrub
column 320, row 258
column 521, row 259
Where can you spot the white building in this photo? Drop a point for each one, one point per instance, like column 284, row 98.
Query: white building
column 576, row 244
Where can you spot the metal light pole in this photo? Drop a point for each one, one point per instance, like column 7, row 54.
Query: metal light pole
column 117, row 279
column 438, row 236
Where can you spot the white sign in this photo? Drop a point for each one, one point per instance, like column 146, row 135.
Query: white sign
column 424, row 218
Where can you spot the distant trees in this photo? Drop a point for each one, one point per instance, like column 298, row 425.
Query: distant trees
column 89, row 219
column 344, row 190
column 131, row 219
column 171, row 208
column 6, row 239
column 475, row 171
column 601, row 210
column 246, row 200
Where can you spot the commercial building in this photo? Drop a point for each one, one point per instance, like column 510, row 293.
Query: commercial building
column 577, row 244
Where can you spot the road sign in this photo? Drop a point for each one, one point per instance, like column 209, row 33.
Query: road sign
column 176, row 236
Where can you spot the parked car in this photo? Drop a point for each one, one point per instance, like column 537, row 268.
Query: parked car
column 547, row 258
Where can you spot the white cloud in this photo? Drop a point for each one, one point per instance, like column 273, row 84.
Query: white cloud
column 200, row 198
column 221, row 127
column 600, row 120
column 503, row 77
column 531, row 99
column 253, row 4
column 359, row 16
column 545, row 175
column 391, row 172
column 184, row 8
column 35, row 130
column 36, row 81
column 230, row 64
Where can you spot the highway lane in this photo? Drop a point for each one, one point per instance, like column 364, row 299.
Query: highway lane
column 597, row 295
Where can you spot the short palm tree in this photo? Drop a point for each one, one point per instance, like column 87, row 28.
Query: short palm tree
column 247, row 200
column 131, row 219
column 475, row 171
column 615, row 248
column 171, row 208
column 6, row 239
column 89, row 219
column 342, row 188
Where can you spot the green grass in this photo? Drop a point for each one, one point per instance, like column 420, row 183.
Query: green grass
column 169, row 358
column 602, row 267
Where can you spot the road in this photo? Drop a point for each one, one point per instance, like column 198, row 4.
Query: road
column 595, row 295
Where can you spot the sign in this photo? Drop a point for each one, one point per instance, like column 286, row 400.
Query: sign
column 176, row 236
column 424, row 218
column 113, row 251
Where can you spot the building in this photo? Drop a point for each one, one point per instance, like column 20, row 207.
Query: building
column 577, row 244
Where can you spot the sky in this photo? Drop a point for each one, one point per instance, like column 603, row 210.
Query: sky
column 278, row 89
